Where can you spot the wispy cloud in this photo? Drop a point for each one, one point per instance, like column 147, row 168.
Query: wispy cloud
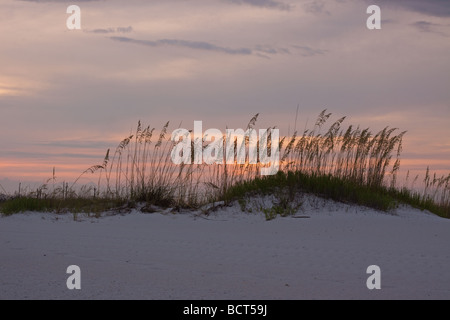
column 437, row 8
column 111, row 30
column 67, row 1
column 263, row 51
column 269, row 4
column 76, row 144
column 306, row 51
column 271, row 50
column 6, row 90
column 316, row 7
column 425, row 26
column 199, row 45
column 47, row 155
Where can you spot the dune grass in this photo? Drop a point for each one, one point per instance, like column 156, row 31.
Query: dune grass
column 89, row 206
column 287, row 185
column 349, row 164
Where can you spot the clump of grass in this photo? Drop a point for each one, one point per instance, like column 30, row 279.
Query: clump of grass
column 289, row 185
column 352, row 154
column 88, row 206
column 282, row 206
column 21, row 204
column 344, row 164
column 347, row 164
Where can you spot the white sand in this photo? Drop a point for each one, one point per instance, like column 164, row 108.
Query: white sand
column 229, row 255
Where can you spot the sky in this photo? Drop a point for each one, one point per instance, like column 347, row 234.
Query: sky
column 66, row 96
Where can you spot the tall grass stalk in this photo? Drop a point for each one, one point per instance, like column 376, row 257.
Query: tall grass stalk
column 140, row 169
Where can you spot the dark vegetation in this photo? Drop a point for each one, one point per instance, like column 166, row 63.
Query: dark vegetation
column 350, row 165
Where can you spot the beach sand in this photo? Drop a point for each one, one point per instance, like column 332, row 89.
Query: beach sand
column 323, row 252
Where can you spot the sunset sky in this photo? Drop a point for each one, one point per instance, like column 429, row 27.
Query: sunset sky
column 66, row 96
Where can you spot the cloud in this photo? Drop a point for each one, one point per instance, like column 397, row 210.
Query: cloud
column 75, row 144
column 306, row 51
column 385, row 21
column 258, row 50
column 425, row 26
column 437, row 8
column 9, row 90
column 67, row 1
column 316, row 7
column 271, row 50
column 269, row 4
column 199, row 45
column 47, row 155
column 111, row 30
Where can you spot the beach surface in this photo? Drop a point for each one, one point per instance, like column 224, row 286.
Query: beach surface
column 322, row 252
